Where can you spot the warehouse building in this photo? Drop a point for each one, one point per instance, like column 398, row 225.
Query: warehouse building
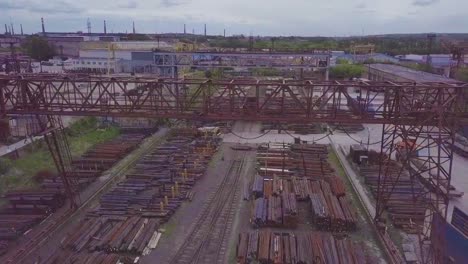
column 119, row 57
column 396, row 73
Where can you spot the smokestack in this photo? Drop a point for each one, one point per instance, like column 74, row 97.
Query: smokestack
column 224, row 34
column 105, row 29
column 6, row 29
column 184, row 30
column 205, row 30
column 43, row 27
column 88, row 23
column 12, row 29
column 134, row 27
column 21, row 27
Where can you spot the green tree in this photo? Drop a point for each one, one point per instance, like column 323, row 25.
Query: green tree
column 5, row 165
column 462, row 75
column 346, row 71
column 342, row 61
column 38, row 48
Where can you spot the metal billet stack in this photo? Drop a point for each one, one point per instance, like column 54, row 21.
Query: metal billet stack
column 301, row 248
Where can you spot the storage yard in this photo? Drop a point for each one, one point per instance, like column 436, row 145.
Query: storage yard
column 247, row 170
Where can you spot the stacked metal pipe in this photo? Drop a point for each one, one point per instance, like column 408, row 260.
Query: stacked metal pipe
column 301, row 248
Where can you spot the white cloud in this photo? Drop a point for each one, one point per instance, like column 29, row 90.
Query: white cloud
column 262, row 17
column 424, row 2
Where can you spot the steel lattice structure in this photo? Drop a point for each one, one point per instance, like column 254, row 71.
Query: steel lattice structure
column 241, row 99
column 427, row 114
column 214, row 59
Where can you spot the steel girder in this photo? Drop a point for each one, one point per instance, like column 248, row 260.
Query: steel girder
column 213, row 59
column 275, row 100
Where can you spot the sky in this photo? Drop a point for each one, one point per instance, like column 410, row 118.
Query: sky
column 256, row 17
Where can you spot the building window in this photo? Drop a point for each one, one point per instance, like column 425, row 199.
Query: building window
column 100, row 63
column 94, row 63
column 88, row 62
column 105, row 63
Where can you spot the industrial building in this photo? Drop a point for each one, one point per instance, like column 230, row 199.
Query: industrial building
column 119, row 57
column 391, row 72
column 95, row 65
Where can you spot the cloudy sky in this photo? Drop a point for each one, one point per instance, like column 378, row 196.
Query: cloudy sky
column 259, row 17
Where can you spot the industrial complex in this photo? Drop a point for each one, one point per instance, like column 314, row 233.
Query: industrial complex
column 172, row 148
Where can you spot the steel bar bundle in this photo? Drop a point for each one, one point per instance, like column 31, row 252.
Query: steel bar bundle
column 405, row 210
column 303, row 248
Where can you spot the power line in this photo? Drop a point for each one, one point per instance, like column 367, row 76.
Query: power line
column 239, row 136
column 358, row 141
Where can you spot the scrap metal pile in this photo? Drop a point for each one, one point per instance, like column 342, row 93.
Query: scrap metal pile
column 300, row 248
column 129, row 215
column 299, row 172
column 405, row 210
column 26, row 208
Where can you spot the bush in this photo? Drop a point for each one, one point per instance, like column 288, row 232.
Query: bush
column 5, row 165
column 346, row 71
column 38, row 48
column 462, row 75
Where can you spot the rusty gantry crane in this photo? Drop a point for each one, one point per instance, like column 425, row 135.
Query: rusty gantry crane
column 425, row 113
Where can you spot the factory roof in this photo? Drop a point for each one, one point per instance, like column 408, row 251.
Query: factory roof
column 125, row 45
column 410, row 74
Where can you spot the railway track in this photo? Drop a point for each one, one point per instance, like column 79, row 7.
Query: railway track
column 49, row 228
column 207, row 243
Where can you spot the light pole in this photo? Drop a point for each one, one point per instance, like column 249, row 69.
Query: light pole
column 368, row 138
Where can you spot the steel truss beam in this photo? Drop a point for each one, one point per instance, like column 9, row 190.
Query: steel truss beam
column 212, row 59
column 279, row 100
column 424, row 152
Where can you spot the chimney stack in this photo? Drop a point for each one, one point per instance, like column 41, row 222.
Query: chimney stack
column 12, row 29
column 43, row 27
column 21, row 27
column 185, row 32
column 6, row 29
column 105, row 29
column 134, row 32
column 224, row 34
column 88, row 24
column 205, row 30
